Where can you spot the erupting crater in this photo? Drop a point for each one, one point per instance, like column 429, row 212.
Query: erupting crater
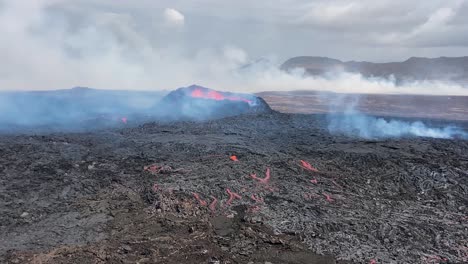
column 200, row 103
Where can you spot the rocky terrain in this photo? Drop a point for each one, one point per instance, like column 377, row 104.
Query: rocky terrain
column 416, row 106
column 263, row 188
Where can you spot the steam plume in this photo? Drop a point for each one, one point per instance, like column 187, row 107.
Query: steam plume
column 354, row 123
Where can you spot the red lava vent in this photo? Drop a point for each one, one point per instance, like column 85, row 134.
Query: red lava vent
column 197, row 102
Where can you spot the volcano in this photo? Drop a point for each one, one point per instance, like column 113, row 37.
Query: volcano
column 201, row 103
column 258, row 187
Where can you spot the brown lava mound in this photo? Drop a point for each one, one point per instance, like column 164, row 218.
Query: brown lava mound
column 173, row 193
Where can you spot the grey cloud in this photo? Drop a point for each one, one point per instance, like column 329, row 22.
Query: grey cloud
column 365, row 22
column 125, row 44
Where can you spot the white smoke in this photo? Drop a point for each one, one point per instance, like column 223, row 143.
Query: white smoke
column 174, row 17
column 344, row 118
column 43, row 49
column 344, row 82
column 365, row 126
column 110, row 50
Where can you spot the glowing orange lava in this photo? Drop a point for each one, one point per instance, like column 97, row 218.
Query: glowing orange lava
column 306, row 165
column 213, row 204
column 201, row 201
column 197, row 93
column 262, row 180
column 214, row 95
column 232, row 196
column 328, row 197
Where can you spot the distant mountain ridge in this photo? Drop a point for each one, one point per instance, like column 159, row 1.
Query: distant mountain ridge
column 414, row 69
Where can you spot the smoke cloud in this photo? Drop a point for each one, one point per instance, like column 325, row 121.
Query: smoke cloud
column 369, row 127
column 56, row 45
column 52, row 44
column 351, row 122
column 174, row 17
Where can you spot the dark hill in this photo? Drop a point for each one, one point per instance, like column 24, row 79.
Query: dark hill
column 199, row 103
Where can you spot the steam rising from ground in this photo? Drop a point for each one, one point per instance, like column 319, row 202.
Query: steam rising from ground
column 354, row 123
column 358, row 124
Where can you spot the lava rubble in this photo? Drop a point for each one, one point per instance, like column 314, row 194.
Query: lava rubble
column 172, row 193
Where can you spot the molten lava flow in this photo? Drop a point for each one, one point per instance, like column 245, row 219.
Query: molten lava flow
column 254, row 209
column 257, row 199
column 197, row 197
column 152, row 168
column 197, row 93
column 328, row 197
column 264, row 180
column 213, row 204
column 214, row 95
column 306, row 165
column 232, row 196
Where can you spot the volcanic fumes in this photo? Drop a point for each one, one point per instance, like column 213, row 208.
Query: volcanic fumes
column 200, row 103
column 85, row 109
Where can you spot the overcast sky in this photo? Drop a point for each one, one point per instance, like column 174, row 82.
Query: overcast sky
column 128, row 43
